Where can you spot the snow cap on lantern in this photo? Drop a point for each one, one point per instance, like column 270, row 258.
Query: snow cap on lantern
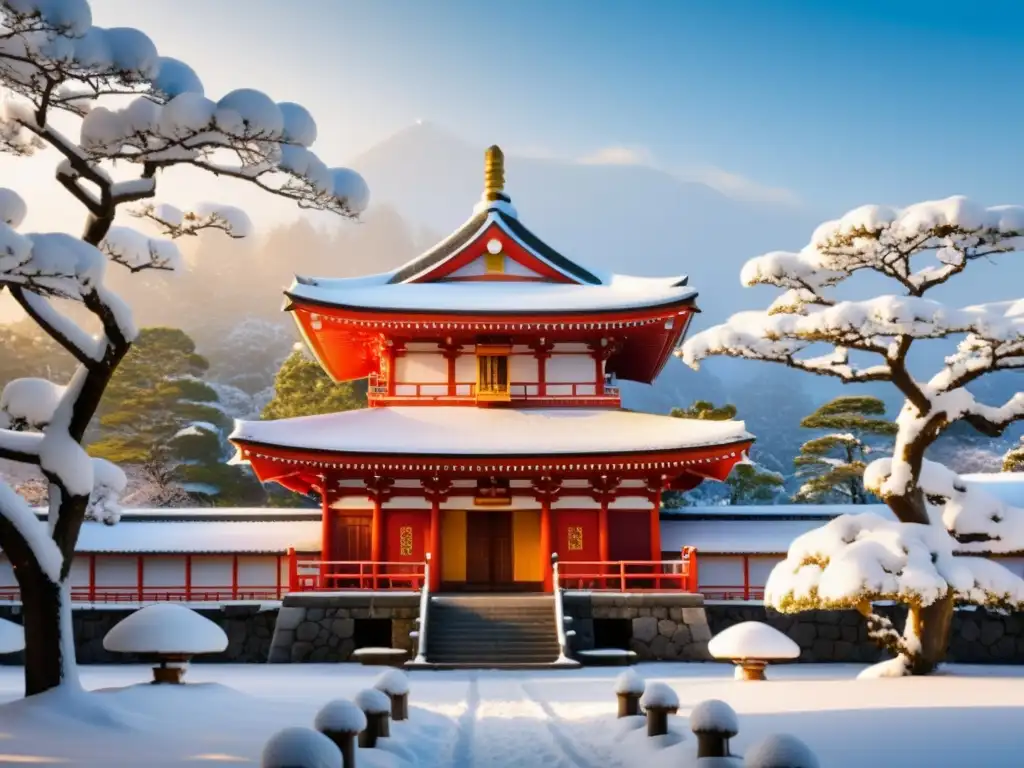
column 340, row 715
column 300, row 747
column 166, row 628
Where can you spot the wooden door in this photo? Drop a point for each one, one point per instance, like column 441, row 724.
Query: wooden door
column 489, row 550
column 352, row 538
column 351, row 543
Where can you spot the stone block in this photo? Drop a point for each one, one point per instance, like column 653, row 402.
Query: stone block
column 681, row 637
column 803, row 634
column 970, row 631
column 661, row 648
column 675, row 613
column 307, row 631
column 645, row 628
column 694, row 616
column 991, row 630
column 343, row 628
column 290, row 618
column 667, row 627
column 319, row 654
column 659, row 612
column 314, row 614
column 701, row 633
column 829, row 631
column 301, row 651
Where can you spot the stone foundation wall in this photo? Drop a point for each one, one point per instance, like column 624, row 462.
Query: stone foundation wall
column 317, row 628
column 661, row 626
column 977, row 636
column 249, row 632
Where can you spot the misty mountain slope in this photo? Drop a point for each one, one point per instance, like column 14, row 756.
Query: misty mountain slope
column 626, row 218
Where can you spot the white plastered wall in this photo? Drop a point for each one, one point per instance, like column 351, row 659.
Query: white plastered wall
column 257, row 571
column 164, row 571
column 421, row 368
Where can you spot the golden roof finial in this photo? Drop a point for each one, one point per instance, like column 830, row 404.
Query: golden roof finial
column 494, row 173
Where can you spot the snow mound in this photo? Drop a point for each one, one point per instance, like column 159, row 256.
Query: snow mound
column 303, row 747
column 12, row 637
column 31, row 402
column 659, row 695
column 373, row 702
column 393, row 682
column 891, row 668
column 165, row 628
column 780, row 751
column 629, row 682
column 714, row 716
column 340, row 715
column 752, row 640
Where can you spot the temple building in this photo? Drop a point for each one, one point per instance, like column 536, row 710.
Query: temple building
column 494, row 434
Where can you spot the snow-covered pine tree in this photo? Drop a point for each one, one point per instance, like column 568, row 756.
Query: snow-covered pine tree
column 870, row 340
column 832, row 465
column 138, row 114
column 1013, row 461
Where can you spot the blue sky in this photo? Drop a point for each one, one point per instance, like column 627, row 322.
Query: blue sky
column 834, row 103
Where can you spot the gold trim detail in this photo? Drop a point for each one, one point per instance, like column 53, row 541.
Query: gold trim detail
column 405, row 541
column 575, row 538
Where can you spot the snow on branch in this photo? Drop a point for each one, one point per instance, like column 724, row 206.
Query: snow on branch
column 33, row 531
column 52, row 57
column 109, row 482
column 175, row 223
column 956, row 230
column 134, row 250
column 856, row 560
column 29, row 404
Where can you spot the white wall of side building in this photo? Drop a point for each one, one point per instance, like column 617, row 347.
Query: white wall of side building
column 429, row 368
column 164, row 571
column 257, row 571
column 212, row 571
column 117, row 571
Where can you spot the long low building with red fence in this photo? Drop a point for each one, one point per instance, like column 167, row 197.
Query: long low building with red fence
column 222, row 555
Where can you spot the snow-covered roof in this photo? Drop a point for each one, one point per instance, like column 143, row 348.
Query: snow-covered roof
column 771, row 536
column 199, row 537
column 776, row 511
column 212, row 514
column 1008, row 487
column 617, row 292
column 455, row 431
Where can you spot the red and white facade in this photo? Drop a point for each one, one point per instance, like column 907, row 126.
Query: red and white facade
column 494, row 434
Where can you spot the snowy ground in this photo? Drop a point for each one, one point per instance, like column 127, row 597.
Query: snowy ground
column 557, row 719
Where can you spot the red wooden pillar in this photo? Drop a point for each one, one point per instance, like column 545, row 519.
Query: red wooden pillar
column 92, row 578
column 293, row 570
column 278, row 577
column 542, row 374
column 598, row 370
column 326, row 531
column 435, row 545
column 234, row 577
column 602, row 536
column 655, row 521
column 545, row 543
column 188, row 577
column 376, row 539
column 746, row 577
column 140, row 575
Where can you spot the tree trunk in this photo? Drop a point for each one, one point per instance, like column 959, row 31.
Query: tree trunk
column 931, row 626
column 927, row 628
column 41, row 602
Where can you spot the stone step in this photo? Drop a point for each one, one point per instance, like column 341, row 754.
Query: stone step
column 532, row 666
column 482, row 646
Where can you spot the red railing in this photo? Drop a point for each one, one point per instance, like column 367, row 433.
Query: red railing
column 628, row 575
column 172, row 594
column 342, row 575
column 465, row 391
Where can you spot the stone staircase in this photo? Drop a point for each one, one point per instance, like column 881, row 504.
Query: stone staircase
column 492, row 631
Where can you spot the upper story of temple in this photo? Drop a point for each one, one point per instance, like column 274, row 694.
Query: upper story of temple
column 493, row 316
